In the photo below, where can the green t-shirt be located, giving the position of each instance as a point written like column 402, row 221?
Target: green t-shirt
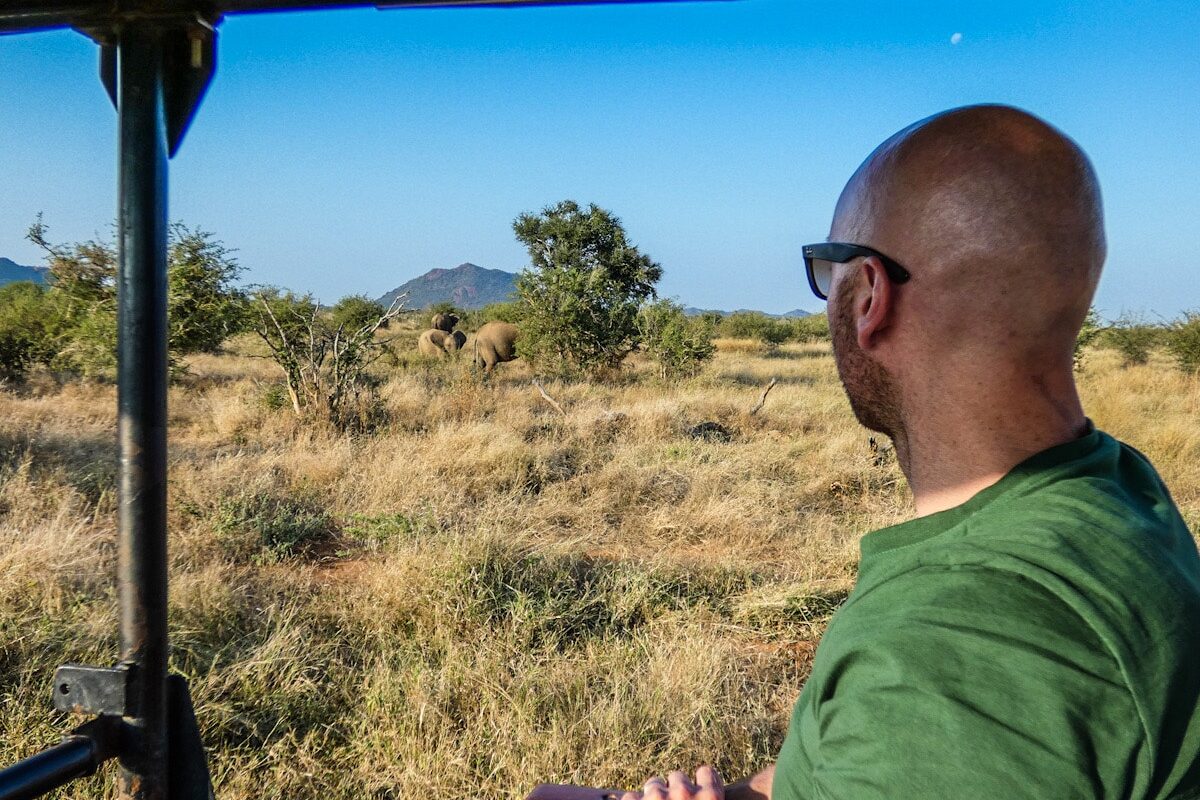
column 1042, row 640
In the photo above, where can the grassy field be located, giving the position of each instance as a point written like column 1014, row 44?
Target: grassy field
column 484, row 594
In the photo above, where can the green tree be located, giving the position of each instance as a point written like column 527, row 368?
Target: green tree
column 203, row 306
column 680, row 345
column 83, row 293
column 445, row 307
column 1184, row 341
column 501, row 312
column 28, row 328
column 84, row 274
column 356, row 310
column 286, row 322
column 582, row 290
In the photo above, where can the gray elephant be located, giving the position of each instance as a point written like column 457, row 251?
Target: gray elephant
column 494, row 343
column 444, row 322
column 437, row 344
column 454, row 342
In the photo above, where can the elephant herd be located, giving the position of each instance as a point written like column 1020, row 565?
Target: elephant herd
column 492, row 344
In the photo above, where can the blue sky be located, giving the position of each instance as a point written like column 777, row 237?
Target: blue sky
column 344, row 152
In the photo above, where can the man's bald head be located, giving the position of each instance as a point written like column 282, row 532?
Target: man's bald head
column 998, row 217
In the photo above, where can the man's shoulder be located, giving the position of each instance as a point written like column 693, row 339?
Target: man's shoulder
column 1057, row 561
column 968, row 670
column 965, row 595
column 1105, row 537
column 1113, row 548
column 1115, row 493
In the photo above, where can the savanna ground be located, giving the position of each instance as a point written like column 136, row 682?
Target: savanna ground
column 482, row 594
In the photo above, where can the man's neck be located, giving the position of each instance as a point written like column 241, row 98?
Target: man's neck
column 951, row 450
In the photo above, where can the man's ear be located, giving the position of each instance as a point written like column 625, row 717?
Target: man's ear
column 873, row 305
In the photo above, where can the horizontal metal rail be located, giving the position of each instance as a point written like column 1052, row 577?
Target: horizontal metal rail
column 79, row 753
column 49, row 769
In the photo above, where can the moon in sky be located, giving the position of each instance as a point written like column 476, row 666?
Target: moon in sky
column 956, row 38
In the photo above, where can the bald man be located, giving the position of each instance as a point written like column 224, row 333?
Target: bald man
column 1035, row 631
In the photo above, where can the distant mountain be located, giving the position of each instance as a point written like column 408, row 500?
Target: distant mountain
column 466, row 286
column 11, row 271
column 471, row 286
column 795, row 313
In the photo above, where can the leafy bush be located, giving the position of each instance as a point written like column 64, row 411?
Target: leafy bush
column 268, row 528
column 356, row 311
column 89, row 346
column 1088, row 334
column 28, row 328
column 377, row 531
column 274, row 396
column 444, row 307
column 83, row 290
column 502, row 312
column 203, row 306
column 1183, row 341
column 813, row 328
column 582, row 290
column 680, row 345
column 756, row 325
column 324, row 365
column 1133, row 338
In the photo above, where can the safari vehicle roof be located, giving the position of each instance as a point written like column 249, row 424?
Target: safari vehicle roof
column 93, row 15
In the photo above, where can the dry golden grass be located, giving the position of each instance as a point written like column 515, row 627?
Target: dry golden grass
column 485, row 593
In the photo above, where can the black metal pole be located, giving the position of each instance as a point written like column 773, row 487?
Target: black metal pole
column 48, row 770
column 142, row 403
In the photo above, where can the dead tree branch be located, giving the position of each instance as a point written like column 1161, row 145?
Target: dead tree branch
column 548, row 398
column 325, row 365
column 762, row 401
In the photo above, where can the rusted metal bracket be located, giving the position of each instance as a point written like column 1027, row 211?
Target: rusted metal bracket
column 103, row 691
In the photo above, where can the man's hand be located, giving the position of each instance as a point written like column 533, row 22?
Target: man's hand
column 708, row 786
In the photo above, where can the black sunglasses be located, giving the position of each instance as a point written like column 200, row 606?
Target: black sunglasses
column 820, row 258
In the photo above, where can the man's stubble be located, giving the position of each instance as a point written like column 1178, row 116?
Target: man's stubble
column 872, row 391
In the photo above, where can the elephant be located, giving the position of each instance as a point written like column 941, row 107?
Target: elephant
column 444, row 322
column 454, row 342
column 493, row 344
column 438, row 344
